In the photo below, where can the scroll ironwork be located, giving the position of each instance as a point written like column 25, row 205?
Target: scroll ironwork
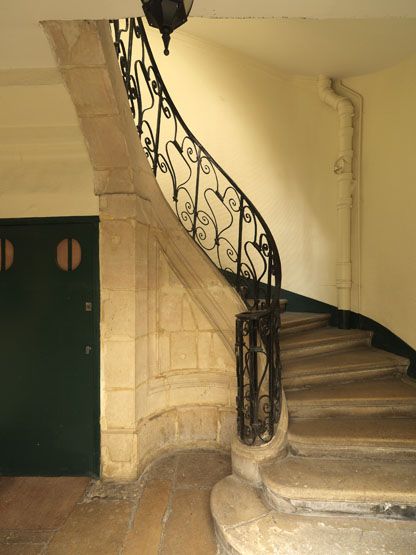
column 220, row 219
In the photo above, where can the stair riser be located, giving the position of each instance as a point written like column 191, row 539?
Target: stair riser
column 289, row 329
column 394, row 509
column 334, row 376
column 322, row 347
column 389, row 410
column 403, row 453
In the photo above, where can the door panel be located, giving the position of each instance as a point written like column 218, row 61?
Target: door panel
column 49, row 394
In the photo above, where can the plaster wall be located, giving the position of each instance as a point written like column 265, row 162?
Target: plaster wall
column 275, row 138
column 388, row 197
column 279, row 142
column 44, row 165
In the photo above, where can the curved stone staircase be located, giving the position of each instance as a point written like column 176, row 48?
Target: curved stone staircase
column 348, row 482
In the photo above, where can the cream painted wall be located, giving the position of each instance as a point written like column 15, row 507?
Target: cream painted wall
column 44, row 166
column 276, row 139
column 388, row 198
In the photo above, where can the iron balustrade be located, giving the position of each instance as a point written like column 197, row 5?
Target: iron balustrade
column 221, row 220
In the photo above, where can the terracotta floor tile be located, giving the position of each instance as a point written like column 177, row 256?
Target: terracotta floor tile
column 190, row 530
column 144, row 537
column 35, row 503
column 96, row 528
column 202, row 469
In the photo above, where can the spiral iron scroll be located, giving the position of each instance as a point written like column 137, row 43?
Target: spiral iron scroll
column 209, row 205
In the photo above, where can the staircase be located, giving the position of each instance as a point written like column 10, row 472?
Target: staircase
column 345, row 483
column 348, row 482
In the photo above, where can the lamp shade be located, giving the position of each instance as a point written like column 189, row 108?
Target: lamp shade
column 167, row 15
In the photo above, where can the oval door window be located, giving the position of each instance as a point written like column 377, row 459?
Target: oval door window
column 6, row 254
column 68, row 255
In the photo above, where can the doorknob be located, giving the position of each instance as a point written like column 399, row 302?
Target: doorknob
column 88, row 349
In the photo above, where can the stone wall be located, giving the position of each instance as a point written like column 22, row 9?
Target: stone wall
column 167, row 314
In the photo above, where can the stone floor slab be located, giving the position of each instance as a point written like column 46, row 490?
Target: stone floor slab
column 96, row 528
column 35, row 503
column 203, row 469
column 145, row 534
column 189, row 530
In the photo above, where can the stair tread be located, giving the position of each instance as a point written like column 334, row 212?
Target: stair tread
column 354, row 431
column 392, row 390
column 290, row 319
column 360, row 356
column 246, row 526
column 347, row 480
column 321, row 335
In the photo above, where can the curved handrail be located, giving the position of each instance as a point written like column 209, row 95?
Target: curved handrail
column 217, row 214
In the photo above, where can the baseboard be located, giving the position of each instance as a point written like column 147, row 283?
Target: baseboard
column 383, row 338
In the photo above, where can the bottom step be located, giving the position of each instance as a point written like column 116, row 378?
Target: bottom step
column 365, row 487
column 244, row 525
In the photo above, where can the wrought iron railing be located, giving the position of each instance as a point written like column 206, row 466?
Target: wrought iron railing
column 221, row 220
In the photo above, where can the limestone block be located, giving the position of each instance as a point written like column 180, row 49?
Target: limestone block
column 117, row 315
column 118, row 368
column 120, row 408
column 115, row 181
column 144, row 211
column 211, row 394
column 163, row 353
column 156, row 433
column 142, row 359
column 91, row 90
column 174, row 280
column 117, row 254
column 212, row 352
column 197, row 423
column 144, row 312
column 157, row 397
column 142, row 263
column 106, row 142
column 192, row 315
column 170, row 310
column 163, row 270
column 119, row 471
column 141, row 401
column 115, row 206
column 227, row 427
column 183, row 350
column 153, row 358
column 76, row 43
column 120, row 447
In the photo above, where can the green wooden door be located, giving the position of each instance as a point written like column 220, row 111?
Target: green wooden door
column 49, row 348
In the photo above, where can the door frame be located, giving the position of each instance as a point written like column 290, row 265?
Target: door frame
column 94, row 221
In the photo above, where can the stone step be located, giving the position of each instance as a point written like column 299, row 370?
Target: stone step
column 293, row 322
column 376, row 488
column 358, row 363
column 246, row 526
column 368, row 437
column 322, row 340
column 388, row 397
column 282, row 303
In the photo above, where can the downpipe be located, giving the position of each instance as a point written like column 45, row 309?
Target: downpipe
column 344, row 172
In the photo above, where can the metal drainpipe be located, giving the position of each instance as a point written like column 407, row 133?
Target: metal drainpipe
column 343, row 170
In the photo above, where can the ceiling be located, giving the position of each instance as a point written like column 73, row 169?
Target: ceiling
column 336, row 47
column 23, row 44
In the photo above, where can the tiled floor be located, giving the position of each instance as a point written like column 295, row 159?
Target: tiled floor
column 164, row 513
